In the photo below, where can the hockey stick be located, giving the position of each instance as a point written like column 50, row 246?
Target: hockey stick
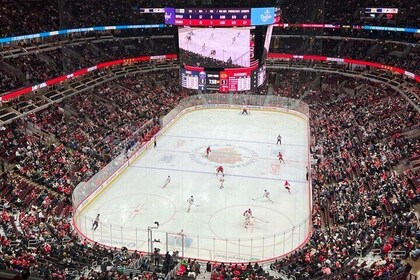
column 257, row 197
column 196, row 205
column 260, row 220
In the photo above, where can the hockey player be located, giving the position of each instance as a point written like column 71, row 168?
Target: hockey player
column 168, row 180
column 219, row 169
column 203, row 47
column 208, row 150
column 287, row 186
column 247, row 211
column 307, row 173
column 233, row 40
column 248, row 217
column 244, row 111
column 190, row 202
column 267, row 195
column 280, row 156
column 222, row 180
column 278, row 140
column 95, row 223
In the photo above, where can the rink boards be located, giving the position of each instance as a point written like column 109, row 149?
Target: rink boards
column 133, row 198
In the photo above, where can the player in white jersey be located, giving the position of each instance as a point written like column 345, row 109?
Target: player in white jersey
column 248, row 217
column 278, row 140
column 190, row 202
column 267, row 195
column 168, row 180
column 222, row 180
column 203, row 47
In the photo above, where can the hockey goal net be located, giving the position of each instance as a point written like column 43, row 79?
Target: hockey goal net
column 178, row 240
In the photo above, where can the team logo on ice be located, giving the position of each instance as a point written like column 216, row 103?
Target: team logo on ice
column 234, row 156
column 266, row 16
column 227, row 155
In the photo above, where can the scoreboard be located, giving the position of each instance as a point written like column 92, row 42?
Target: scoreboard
column 189, row 79
column 215, row 54
column 221, row 16
column 216, row 14
column 228, row 80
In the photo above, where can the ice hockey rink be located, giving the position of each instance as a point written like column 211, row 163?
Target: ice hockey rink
column 245, row 145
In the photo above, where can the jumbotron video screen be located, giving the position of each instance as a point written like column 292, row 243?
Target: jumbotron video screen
column 216, row 47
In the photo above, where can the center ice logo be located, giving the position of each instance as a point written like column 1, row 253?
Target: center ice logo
column 266, row 16
column 226, row 155
column 230, row 155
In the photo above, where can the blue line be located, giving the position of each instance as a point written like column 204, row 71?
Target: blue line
column 213, row 173
column 232, row 140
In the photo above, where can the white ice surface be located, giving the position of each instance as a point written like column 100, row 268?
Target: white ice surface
column 246, row 147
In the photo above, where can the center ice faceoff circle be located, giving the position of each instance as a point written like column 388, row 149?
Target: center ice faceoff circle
column 230, row 155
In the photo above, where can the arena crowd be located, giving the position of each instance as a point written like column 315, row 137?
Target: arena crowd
column 365, row 193
column 363, row 200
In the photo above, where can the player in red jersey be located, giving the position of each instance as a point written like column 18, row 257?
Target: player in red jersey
column 287, row 186
column 208, row 150
column 280, row 156
column 219, row 169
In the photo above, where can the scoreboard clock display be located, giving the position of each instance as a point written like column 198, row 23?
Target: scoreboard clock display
column 189, row 79
column 215, row 14
column 228, row 80
column 220, row 16
column 213, row 17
